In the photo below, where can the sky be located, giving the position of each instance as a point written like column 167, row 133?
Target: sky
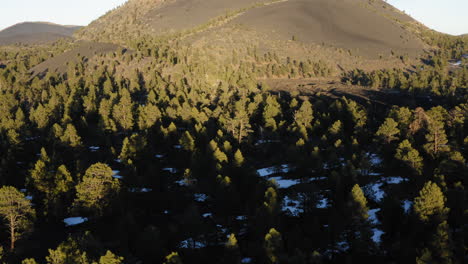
column 65, row 12
column 448, row 16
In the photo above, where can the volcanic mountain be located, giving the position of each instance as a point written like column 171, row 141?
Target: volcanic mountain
column 369, row 28
column 35, row 33
column 345, row 34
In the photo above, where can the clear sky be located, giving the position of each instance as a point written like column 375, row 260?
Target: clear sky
column 65, row 12
column 449, row 16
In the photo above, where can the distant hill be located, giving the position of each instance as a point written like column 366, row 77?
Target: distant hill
column 35, row 33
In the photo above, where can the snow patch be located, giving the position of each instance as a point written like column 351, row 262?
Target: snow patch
column 170, row 170
column 159, row 156
column 373, row 216
column 207, row 215
column 284, row 183
column 323, row 203
column 241, row 218
column 291, row 206
column 265, row 172
column 374, row 159
column 407, row 204
column 191, row 243
column 246, row 260
column 200, row 197
column 94, row 148
column 262, row 141
column 115, row 174
column 72, row 221
column 374, row 190
column 377, row 236
column 140, row 190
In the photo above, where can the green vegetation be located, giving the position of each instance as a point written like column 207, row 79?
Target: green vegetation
column 165, row 153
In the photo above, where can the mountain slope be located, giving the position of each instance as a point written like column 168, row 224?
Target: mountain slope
column 35, row 33
column 342, row 23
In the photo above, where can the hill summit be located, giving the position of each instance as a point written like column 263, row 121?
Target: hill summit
column 35, row 32
column 368, row 28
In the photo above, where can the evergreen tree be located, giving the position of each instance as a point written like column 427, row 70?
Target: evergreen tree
column 16, row 211
column 410, row 156
column 304, row 115
column 110, row 258
column 187, row 142
column 70, row 136
column 238, row 158
column 97, row 188
column 430, row 202
column 122, row 112
column 388, row 130
column 359, row 204
column 173, row 258
column 436, row 138
column 273, row 245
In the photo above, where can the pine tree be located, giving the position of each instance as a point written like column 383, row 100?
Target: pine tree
column 304, row 115
column 110, row 258
column 187, row 142
column 270, row 112
column 173, row 258
column 122, row 112
column 441, row 244
column 238, row 158
column 273, row 245
column 430, row 202
column 436, row 138
column 359, row 204
column 17, row 212
column 271, row 200
column 70, row 136
column 388, row 130
column 97, row 188
column 148, row 115
column 410, row 156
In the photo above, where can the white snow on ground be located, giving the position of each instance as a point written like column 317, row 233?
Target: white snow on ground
column 323, row 203
column 170, row 170
column 407, row 204
column 241, row 218
column 260, row 142
column 373, row 216
column 115, row 174
column 29, row 197
column 182, row 182
column 246, row 260
column 272, row 170
column 159, row 156
column 140, row 190
column 118, row 160
column 94, row 148
column 374, row 159
column 343, row 245
column 374, row 190
column 177, row 146
column 200, row 197
column 285, row 183
column 377, row 236
column 317, row 179
column 191, row 243
column 72, row 221
column 291, row 206
column 207, row 215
